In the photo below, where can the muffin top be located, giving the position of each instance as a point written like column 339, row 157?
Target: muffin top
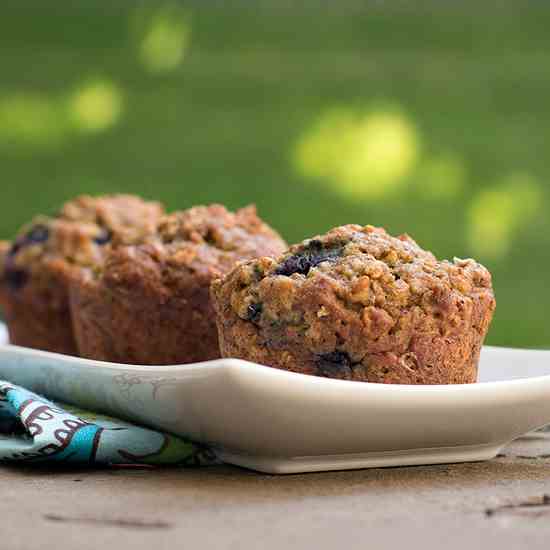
column 355, row 281
column 201, row 243
column 77, row 236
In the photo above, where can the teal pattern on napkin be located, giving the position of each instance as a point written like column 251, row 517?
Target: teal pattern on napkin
column 33, row 429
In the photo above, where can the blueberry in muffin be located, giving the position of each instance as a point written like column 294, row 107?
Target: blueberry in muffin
column 35, row 269
column 358, row 304
column 149, row 303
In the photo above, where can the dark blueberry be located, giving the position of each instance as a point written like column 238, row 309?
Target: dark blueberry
column 16, row 246
column 104, row 238
column 16, row 278
column 254, row 312
column 338, row 357
column 312, row 255
column 38, row 234
column 336, row 364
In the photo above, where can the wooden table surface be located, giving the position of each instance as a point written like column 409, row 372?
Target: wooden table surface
column 502, row 503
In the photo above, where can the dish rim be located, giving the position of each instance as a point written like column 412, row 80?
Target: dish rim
column 236, row 365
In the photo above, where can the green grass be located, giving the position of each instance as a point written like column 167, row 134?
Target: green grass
column 222, row 126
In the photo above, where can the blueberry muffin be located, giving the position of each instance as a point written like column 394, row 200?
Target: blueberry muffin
column 149, row 303
column 358, row 304
column 36, row 268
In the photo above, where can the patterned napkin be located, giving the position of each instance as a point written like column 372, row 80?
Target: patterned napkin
column 34, row 430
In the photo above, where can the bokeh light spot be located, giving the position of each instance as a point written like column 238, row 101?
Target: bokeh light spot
column 497, row 214
column 96, row 106
column 32, row 121
column 165, row 39
column 359, row 153
column 441, row 178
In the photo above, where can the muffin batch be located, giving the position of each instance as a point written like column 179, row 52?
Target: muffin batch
column 114, row 278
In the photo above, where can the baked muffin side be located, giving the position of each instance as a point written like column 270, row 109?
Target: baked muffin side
column 50, row 251
column 150, row 303
column 358, row 304
column 4, row 250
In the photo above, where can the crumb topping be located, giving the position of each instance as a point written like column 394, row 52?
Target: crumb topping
column 203, row 241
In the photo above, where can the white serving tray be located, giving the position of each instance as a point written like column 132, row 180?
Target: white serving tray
column 280, row 422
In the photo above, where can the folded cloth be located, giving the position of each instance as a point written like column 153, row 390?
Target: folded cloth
column 34, row 429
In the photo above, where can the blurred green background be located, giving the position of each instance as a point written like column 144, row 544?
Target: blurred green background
column 432, row 120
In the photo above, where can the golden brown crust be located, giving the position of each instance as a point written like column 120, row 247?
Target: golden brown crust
column 150, row 303
column 358, row 304
column 50, row 251
column 4, row 249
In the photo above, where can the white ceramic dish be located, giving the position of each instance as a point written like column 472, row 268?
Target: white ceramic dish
column 279, row 422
